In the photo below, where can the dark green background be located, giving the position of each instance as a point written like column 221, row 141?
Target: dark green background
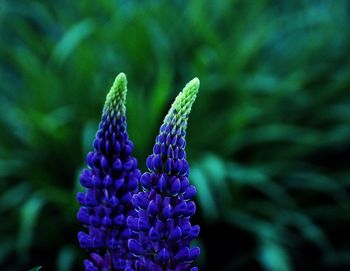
column 268, row 139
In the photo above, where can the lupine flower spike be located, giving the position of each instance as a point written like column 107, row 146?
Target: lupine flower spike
column 165, row 205
column 110, row 179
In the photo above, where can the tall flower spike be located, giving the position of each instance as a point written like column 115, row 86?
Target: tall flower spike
column 110, row 179
column 165, row 205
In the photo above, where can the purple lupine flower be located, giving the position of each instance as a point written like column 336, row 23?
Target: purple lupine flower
column 110, row 179
column 165, row 205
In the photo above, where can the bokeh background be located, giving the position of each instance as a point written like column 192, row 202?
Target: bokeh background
column 268, row 137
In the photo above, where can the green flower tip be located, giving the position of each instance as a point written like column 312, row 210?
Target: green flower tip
column 116, row 97
column 181, row 107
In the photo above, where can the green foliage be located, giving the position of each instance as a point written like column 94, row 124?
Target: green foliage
column 268, row 141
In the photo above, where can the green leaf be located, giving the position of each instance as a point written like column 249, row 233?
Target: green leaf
column 205, row 196
column 29, row 215
column 65, row 259
column 72, row 38
column 274, row 257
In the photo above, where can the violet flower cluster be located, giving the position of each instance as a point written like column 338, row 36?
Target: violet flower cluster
column 165, row 205
column 134, row 222
column 110, row 180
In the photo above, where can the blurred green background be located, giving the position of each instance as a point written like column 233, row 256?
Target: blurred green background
column 268, row 137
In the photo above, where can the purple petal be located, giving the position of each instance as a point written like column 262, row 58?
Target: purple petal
column 175, row 187
column 191, row 209
column 145, row 180
column 104, row 163
column 194, row 253
column 163, row 256
column 85, row 179
column 149, row 162
column 162, row 183
column 81, row 198
column 190, row 192
column 167, row 211
column 117, row 165
column 84, row 240
column 126, row 198
column 129, row 165
column 83, row 216
column 175, row 234
column 89, row 266
column 195, row 231
column 107, row 222
column 107, row 181
column 132, row 222
column 152, row 208
column 154, row 234
column 180, row 209
column 118, row 183
column 182, row 255
column 119, row 220
column 135, row 247
column 96, row 181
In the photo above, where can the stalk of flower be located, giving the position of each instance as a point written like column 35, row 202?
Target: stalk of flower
column 110, row 179
column 165, row 205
